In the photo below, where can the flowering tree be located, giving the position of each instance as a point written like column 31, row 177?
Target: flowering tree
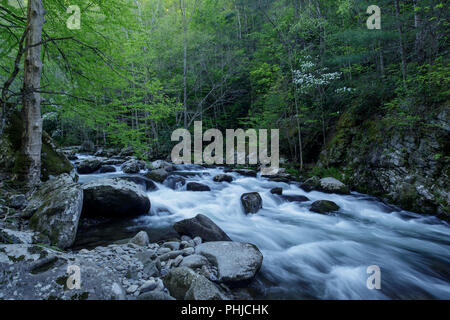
column 311, row 79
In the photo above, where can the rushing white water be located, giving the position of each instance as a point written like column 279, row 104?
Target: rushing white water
column 313, row 256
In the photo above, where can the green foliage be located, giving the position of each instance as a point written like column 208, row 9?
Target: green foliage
column 119, row 80
column 323, row 172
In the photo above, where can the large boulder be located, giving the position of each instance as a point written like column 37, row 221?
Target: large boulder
column 251, row 202
column 34, row 272
column 332, row 185
column 158, row 175
column 202, row 227
column 114, row 198
column 195, row 186
column 88, row 166
column 235, row 261
column 55, row 210
column 324, row 206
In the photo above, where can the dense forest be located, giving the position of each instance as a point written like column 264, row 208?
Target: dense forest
column 127, row 73
column 91, row 92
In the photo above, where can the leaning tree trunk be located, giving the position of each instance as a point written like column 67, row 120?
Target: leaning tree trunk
column 31, row 101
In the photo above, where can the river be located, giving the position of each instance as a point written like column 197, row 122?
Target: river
column 306, row 255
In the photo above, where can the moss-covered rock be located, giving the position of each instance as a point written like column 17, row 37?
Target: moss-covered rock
column 12, row 161
column 324, row 206
column 55, row 210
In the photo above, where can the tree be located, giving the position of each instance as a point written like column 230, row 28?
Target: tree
column 31, row 98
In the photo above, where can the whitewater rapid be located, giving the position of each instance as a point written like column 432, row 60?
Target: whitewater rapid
column 309, row 255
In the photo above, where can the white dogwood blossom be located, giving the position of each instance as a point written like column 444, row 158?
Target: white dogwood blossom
column 310, row 76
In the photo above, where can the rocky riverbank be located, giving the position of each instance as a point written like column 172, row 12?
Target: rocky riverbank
column 181, row 269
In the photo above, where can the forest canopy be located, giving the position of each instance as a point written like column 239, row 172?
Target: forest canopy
column 129, row 72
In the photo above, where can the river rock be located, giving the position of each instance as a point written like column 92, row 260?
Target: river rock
column 141, row 239
column 155, row 295
column 251, row 202
column 201, row 226
column 278, row 191
column 56, row 209
column 113, row 162
column 107, row 169
column 172, row 245
column 203, row 289
column 223, row 178
column 88, row 166
column 161, row 164
column 195, row 186
column 132, row 166
column 32, row 272
column 158, row 175
column 246, row 172
column 178, row 281
column 324, row 206
column 114, row 198
column 295, row 198
column 310, row 184
column 332, row 185
column 175, row 182
column 235, row 261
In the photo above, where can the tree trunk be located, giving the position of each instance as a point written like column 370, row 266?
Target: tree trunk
column 400, row 36
column 184, row 64
column 31, row 101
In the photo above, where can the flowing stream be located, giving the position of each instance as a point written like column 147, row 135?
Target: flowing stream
column 306, row 255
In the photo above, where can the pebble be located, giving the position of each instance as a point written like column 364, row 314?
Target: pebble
column 148, row 286
column 188, row 251
column 197, row 241
column 132, row 288
column 176, row 262
column 173, row 245
column 162, row 251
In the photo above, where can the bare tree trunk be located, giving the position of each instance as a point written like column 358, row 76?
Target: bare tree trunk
column 418, row 42
column 31, row 101
column 184, row 63
column 380, row 46
column 400, row 35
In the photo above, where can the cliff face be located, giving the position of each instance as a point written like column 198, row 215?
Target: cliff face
column 406, row 166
